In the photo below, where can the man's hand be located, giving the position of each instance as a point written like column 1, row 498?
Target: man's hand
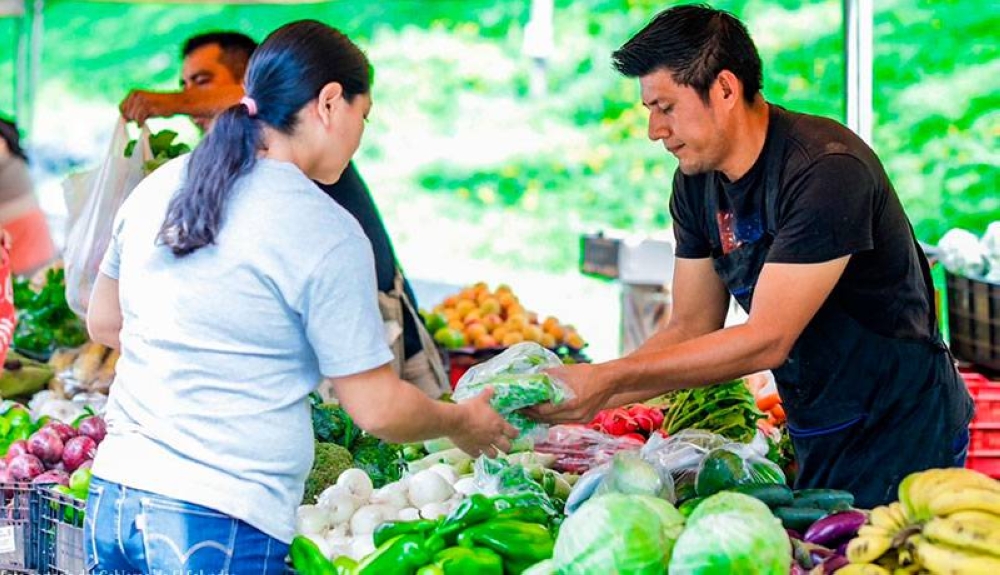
column 591, row 394
column 140, row 105
column 483, row 430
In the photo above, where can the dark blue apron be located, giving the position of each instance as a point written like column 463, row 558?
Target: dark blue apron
column 864, row 410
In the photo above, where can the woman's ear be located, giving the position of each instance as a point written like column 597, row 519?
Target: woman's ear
column 331, row 97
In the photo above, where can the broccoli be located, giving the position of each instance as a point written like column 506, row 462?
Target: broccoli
column 331, row 424
column 382, row 461
column 329, row 462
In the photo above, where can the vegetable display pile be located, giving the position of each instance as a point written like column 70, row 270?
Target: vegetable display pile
column 728, row 409
column 382, row 461
column 44, row 320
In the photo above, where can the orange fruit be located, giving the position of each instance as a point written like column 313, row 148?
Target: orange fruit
column 516, row 321
column 450, row 301
column 532, row 333
column 499, row 332
column 515, row 309
column 555, row 330
column 486, row 341
column 548, row 341
column 512, row 338
column 456, row 325
column 506, row 300
column 550, row 321
column 574, row 340
column 464, row 306
column 489, row 305
column 474, row 331
column 492, row 321
column 472, row 316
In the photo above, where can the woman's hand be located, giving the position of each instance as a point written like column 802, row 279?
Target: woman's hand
column 482, row 429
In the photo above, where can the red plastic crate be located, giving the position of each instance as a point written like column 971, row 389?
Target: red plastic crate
column 981, row 440
column 988, row 465
column 986, row 394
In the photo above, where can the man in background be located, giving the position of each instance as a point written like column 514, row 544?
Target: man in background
column 211, row 81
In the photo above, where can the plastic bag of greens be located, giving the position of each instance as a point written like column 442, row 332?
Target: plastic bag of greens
column 680, row 456
column 518, row 382
column 499, row 477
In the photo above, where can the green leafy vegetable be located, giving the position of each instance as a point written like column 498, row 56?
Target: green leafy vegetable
column 44, row 320
column 727, row 409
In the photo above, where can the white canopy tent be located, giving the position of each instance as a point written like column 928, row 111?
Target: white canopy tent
column 857, row 24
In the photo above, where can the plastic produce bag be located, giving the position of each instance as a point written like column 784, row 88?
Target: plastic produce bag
column 962, row 253
column 518, row 382
column 628, row 472
column 991, row 247
column 90, row 233
column 680, row 456
column 497, row 476
column 733, row 465
column 578, row 448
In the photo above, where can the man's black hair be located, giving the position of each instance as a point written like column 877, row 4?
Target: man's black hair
column 11, row 135
column 236, row 49
column 694, row 43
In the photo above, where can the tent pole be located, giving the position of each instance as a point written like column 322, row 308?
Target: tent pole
column 858, row 55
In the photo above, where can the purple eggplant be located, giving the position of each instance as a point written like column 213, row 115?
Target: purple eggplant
column 793, row 534
column 835, row 528
column 835, row 563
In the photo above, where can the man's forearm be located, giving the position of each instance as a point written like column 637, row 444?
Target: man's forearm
column 717, row 356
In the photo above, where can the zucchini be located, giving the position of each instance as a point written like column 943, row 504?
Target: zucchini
column 829, row 500
column 773, row 495
column 799, row 518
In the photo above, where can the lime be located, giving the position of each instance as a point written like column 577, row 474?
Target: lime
column 79, row 482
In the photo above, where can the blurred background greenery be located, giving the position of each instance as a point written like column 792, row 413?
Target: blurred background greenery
column 479, row 179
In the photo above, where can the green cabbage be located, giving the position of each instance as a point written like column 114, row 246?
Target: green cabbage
column 618, row 533
column 732, row 533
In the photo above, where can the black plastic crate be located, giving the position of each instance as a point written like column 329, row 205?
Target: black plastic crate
column 59, row 532
column 16, row 533
column 974, row 320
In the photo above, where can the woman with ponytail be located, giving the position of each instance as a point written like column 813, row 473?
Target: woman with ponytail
column 232, row 287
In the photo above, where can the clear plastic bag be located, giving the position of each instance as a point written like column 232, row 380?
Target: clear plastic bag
column 991, row 247
column 578, row 448
column 629, row 472
column 90, row 233
column 499, row 477
column 518, row 381
column 733, row 465
column 962, row 253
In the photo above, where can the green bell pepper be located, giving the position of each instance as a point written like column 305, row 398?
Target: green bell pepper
column 401, row 555
column 519, row 542
column 431, row 569
column 308, row 559
column 526, row 514
column 473, row 510
column 469, row 561
column 344, row 565
column 390, row 529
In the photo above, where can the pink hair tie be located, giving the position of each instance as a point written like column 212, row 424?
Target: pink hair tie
column 251, row 105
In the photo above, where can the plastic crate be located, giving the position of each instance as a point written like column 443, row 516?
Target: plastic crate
column 974, row 320
column 16, row 533
column 59, row 532
column 985, row 464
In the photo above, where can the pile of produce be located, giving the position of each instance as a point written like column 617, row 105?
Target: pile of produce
column 727, row 409
column 22, row 376
column 340, row 445
column 637, row 420
column 44, row 320
column 946, row 521
column 482, row 535
column 577, row 448
column 483, row 319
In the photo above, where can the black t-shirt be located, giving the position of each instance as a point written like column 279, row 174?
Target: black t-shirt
column 835, row 200
column 352, row 194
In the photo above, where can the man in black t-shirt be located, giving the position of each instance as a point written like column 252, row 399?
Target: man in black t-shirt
column 211, row 81
column 793, row 216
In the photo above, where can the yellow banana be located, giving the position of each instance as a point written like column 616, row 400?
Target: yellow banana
column 898, row 514
column 976, row 516
column 876, row 531
column 957, row 479
column 968, row 499
column 964, row 535
column 863, row 569
column 905, row 488
column 945, row 560
column 882, row 518
column 866, row 549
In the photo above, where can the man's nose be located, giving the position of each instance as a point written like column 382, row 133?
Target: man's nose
column 659, row 129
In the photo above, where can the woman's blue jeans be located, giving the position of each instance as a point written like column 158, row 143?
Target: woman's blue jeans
column 133, row 531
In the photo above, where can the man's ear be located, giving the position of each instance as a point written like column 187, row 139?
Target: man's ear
column 329, row 101
column 730, row 88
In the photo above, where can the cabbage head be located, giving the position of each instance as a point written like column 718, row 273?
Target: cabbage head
column 732, row 533
column 618, row 533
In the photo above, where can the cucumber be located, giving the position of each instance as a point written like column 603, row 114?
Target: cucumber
column 799, row 518
column 829, row 500
column 773, row 495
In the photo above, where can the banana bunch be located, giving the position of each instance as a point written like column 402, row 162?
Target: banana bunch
column 947, row 521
